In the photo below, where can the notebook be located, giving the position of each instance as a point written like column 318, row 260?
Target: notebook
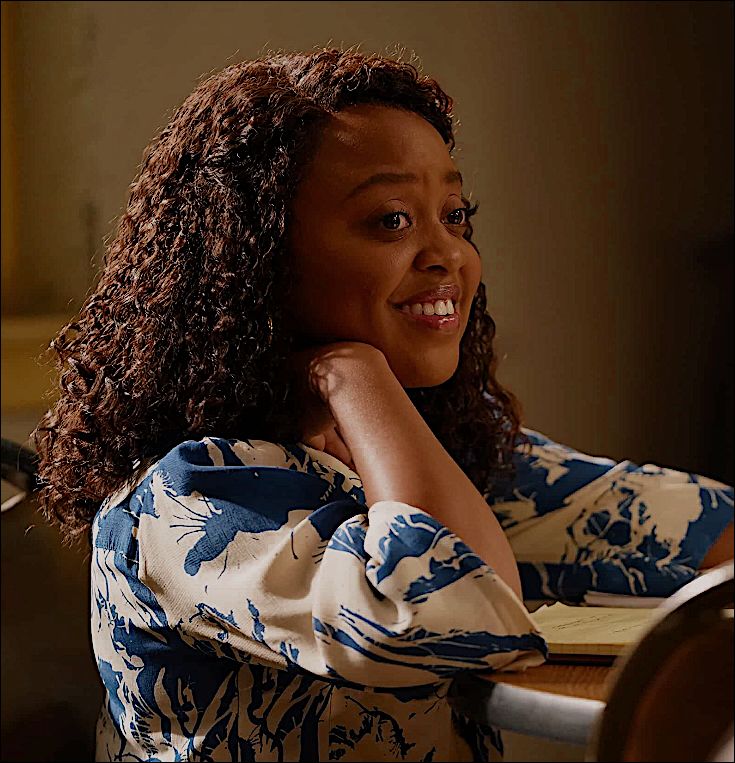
column 586, row 634
column 619, row 600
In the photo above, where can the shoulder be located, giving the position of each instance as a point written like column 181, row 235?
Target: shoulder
column 229, row 465
column 226, row 473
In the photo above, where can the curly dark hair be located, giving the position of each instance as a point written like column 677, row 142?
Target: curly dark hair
column 185, row 333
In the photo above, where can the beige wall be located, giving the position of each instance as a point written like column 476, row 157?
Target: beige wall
column 596, row 136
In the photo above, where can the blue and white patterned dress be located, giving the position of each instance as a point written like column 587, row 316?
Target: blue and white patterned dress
column 246, row 604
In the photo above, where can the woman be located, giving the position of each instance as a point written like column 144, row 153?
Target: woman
column 280, row 418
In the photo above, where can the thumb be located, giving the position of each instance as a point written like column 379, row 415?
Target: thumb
column 318, row 442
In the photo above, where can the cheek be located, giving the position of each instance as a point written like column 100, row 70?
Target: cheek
column 339, row 284
column 348, row 266
column 474, row 268
column 316, row 265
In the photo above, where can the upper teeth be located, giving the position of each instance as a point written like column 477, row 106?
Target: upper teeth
column 440, row 307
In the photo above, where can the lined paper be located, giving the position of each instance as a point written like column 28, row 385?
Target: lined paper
column 606, row 631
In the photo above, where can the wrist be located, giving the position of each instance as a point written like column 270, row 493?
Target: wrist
column 336, row 371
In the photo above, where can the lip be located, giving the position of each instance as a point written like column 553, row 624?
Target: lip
column 444, row 291
column 445, row 324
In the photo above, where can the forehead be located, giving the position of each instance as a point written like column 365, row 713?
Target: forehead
column 365, row 139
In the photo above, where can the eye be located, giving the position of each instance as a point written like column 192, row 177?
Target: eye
column 458, row 216
column 394, row 219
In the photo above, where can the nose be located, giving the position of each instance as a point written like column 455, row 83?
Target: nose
column 440, row 250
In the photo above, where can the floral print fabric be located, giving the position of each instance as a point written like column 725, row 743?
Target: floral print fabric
column 247, row 605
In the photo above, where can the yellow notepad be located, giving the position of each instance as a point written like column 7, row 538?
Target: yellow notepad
column 576, row 633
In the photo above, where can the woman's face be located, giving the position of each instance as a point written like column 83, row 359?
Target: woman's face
column 377, row 243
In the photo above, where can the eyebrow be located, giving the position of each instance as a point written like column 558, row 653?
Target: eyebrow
column 394, row 178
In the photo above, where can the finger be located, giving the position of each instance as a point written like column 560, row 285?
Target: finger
column 318, row 442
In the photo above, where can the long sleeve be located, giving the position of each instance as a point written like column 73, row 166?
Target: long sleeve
column 578, row 523
column 261, row 552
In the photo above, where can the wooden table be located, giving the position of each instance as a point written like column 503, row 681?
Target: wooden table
column 583, row 681
column 558, row 702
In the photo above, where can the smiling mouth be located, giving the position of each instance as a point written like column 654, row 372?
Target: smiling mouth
column 446, row 324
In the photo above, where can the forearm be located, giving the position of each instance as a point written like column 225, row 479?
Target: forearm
column 721, row 551
column 399, row 459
